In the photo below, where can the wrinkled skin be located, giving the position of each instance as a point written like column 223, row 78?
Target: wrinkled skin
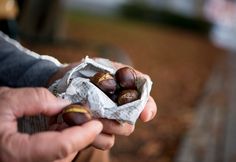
column 45, row 146
column 112, row 128
column 54, row 145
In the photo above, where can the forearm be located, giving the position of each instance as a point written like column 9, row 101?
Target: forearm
column 20, row 67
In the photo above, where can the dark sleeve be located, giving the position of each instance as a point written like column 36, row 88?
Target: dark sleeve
column 20, row 67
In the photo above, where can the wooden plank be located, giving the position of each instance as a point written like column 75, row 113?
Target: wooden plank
column 204, row 141
column 230, row 142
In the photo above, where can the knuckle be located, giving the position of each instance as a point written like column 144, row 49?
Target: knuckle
column 42, row 94
column 4, row 89
column 129, row 131
column 108, row 145
column 65, row 150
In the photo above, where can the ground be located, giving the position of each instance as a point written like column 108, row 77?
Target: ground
column 178, row 61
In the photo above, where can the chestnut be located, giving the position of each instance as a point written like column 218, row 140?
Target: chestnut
column 126, row 77
column 105, row 81
column 76, row 114
column 114, row 97
column 127, row 96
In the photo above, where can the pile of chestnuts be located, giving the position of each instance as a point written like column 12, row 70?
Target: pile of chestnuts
column 121, row 88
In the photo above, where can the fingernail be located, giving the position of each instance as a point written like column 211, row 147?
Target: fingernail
column 95, row 125
column 64, row 102
column 150, row 116
column 98, row 125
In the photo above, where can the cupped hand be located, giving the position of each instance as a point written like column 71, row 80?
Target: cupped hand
column 45, row 146
column 106, row 139
column 111, row 128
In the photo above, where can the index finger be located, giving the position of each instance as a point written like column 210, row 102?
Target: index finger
column 149, row 110
column 50, row 146
column 38, row 101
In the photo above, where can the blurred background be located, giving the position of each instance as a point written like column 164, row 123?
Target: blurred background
column 186, row 46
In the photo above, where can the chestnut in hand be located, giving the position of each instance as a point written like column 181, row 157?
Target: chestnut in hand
column 76, row 114
column 114, row 97
column 105, row 81
column 127, row 96
column 121, row 88
column 126, row 77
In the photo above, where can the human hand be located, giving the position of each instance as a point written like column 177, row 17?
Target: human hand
column 106, row 139
column 45, row 146
column 111, row 127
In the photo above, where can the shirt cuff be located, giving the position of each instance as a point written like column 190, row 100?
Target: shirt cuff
column 38, row 74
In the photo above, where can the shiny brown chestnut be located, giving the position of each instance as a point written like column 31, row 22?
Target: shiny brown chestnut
column 126, row 77
column 105, row 81
column 127, row 96
column 76, row 114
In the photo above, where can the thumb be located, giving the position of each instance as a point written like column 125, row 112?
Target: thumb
column 32, row 101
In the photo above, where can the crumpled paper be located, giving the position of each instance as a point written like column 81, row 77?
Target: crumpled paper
column 76, row 87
